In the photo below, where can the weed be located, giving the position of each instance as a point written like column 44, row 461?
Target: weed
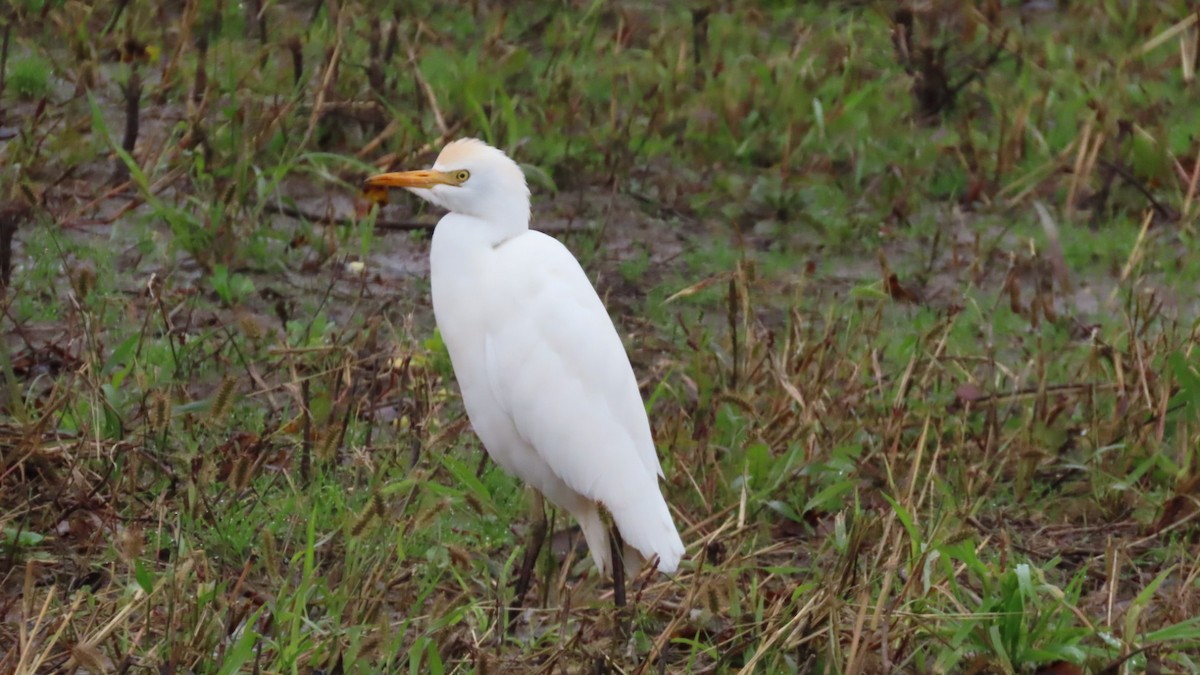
column 30, row 76
column 910, row 296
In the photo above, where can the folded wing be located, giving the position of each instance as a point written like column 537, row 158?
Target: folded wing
column 555, row 359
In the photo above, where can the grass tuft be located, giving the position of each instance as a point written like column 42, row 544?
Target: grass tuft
column 910, row 292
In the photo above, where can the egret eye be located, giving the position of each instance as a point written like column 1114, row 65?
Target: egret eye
column 462, row 175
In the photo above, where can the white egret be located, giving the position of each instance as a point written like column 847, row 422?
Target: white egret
column 544, row 377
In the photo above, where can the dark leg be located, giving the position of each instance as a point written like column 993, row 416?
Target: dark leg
column 618, row 563
column 537, row 537
column 617, row 546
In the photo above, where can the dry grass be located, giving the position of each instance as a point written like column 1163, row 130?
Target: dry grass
column 920, row 361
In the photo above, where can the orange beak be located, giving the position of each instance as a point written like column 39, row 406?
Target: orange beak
column 410, row 179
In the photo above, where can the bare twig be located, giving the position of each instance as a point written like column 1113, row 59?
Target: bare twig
column 4, row 62
column 1058, row 261
column 429, row 94
column 1164, row 211
column 381, row 224
column 112, row 22
column 326, row 82
column 11, row 217
column 133, row 97
column 1191, row 189
column 293, row 212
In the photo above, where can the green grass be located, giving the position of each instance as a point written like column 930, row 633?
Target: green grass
column 224, row 448
column 29, row 77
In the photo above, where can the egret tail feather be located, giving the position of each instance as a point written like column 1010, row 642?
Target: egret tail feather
column 647, row 526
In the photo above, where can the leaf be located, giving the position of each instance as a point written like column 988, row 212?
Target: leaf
column 243, row 649
column 1148, row 160
column 871, row 291
column 539, row 176
column 906, row 520
column 829, row 496
column 1059, row 668
column 964, row 552
column 1187, row 630
column 21, row 537
column 99, row 126
column 1175, row 510
column 219, row 279
column 123, row 353
column 242, row 286
column 819, row 116
column 1024, row 580
column 1142, row 600
column 465, row 475
column 320, row 163
column 1189, row 382
column 143, row 576
column 310, row 546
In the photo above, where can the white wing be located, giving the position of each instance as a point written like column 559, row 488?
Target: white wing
column 556, row 362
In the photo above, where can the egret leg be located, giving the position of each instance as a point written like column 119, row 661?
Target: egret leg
column 537, row 538
column 618, row 567
column 617, row 546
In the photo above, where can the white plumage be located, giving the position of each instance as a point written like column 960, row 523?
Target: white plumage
column 544, row 377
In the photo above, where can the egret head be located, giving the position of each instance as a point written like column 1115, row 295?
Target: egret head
column 472, row 178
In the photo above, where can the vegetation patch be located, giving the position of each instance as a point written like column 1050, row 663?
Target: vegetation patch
column 911, row 294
